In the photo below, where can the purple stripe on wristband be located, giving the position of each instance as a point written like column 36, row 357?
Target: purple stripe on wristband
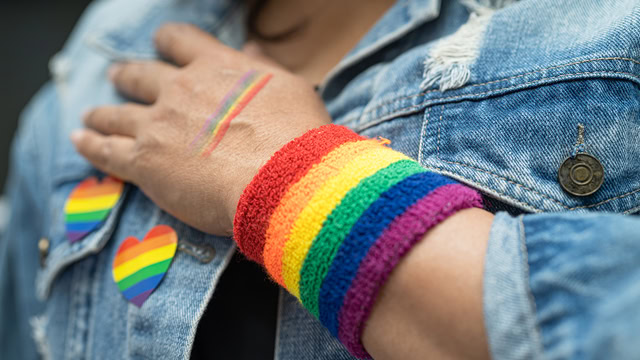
column 401, row 235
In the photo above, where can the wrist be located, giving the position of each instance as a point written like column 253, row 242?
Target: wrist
column 411, row 321
column 272, row 143
column 332, row 213
column 287, row 165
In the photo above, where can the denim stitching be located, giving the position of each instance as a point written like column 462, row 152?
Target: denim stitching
column 632, row 210
column 102, row 262
column 487, row 171
column 607, row 200
column 508, row 88
column 79, row 309
column 38, row 325
column 480, row 186
column 556, row 67
column 509, row 181
column 224, row 262
column 439, row 127
column 503, row 79
column 65, row 253
column 543, row 195
column 527, row 274
column 398, row 112
column 521, row 185
column 424, row 128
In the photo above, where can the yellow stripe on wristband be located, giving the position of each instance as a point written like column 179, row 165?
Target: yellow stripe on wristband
column 326, row 198
column 332, row 230
column 297, row 197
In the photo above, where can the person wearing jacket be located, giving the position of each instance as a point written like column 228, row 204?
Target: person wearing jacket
column 448, row 191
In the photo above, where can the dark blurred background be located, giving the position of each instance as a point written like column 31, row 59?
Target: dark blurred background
column 31, row 32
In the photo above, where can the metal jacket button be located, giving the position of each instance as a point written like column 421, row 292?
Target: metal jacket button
column 581, row 175
column 43, row 249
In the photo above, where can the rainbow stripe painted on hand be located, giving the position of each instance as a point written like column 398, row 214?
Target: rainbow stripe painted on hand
column 330, row 216
column 140, row 266
column 89, row 204
column 215, row 127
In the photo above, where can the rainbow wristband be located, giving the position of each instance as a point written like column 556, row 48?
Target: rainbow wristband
column 332, row 213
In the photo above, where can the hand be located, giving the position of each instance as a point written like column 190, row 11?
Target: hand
column 164, row 148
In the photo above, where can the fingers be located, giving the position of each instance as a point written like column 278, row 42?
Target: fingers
column 254, row 51
column 111, row 154
column 117, row 119
column 182, row 43
column 141, row 80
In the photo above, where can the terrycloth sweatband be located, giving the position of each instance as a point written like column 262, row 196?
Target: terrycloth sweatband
column 332, row 213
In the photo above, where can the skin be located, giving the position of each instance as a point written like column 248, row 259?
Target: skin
column 148, row 144
column 331, row 29
column 431, row 306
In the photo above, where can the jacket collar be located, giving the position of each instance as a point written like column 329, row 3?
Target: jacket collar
column 131, row 36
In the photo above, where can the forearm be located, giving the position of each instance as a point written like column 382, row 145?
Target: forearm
column 332, row 214
column 431, row 305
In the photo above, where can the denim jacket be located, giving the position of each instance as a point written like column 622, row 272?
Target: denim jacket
column 489, row 92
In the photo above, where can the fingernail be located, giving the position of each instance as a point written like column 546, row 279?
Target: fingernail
column 113, row 70
column 76, row 136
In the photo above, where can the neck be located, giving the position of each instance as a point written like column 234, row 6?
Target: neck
column 318, row 33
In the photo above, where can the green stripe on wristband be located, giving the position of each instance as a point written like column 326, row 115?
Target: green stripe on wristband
column 339, row 223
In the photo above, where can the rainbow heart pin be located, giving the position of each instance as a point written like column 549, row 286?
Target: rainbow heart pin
column 89, row 204
column 139, row 266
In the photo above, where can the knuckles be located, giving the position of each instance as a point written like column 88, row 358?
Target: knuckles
column 133, row 79
column 151, row 141
column 163, row 113
column 99, row 119
column 103, row 155
column 142, row 154
column 181, row 82
column 89, row 117
column 110, row 120
column 186, row 85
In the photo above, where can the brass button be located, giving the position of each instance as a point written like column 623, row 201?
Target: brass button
column 581, row 175
column 43, row 248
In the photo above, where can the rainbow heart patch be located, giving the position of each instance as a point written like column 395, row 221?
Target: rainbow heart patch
column 139, row 266
column 89, row 204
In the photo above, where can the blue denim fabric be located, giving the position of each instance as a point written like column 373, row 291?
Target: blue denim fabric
column 537, row 70
column 561, row 286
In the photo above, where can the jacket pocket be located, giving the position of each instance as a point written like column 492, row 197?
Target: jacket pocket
column 62, row 252
column 513, row 146
column 510, row 138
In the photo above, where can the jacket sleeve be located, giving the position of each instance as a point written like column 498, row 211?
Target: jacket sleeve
column 563, row 286
column 19, row 256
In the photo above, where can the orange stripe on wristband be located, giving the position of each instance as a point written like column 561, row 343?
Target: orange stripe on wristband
column 327, row 197
column 297, row 198
column 287, row 166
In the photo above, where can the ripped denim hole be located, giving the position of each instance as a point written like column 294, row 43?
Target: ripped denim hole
column 449, row 61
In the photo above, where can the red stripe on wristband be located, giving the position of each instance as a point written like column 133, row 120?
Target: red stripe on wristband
column 285, row 168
